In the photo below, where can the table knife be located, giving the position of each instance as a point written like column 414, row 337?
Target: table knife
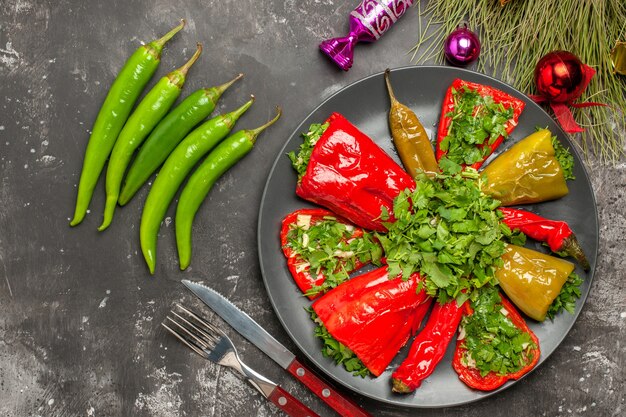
column 258, row 336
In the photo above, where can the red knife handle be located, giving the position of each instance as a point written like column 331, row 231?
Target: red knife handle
column 289, row 404
column 341, row 404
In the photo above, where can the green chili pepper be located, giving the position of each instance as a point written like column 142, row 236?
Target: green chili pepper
column 123, row 94
column 145, row 117
column 220, row 160
column 167, row 134
column 197, row 144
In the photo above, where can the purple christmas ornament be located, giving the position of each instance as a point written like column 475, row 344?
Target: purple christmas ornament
column 368, row 22
column 461, row 46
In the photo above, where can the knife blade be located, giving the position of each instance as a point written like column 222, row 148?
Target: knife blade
column 258, row 336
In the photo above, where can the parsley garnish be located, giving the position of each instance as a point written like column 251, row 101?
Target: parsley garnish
column 514, row 237
column 341, row 354
column 300, row 160
column 566, row 300
column 449, row 231
column 476, row 120
column 565, row 158
column 493, row 342
column 332, row 249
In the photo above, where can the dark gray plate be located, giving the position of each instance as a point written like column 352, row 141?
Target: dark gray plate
column 365, row 104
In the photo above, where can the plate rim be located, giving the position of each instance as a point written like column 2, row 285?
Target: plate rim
column 281, row 154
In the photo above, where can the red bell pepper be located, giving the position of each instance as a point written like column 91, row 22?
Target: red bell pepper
column 299, row 267
column 557, row 234
column 373, row 315
column 498, row 96
column 352, row 176
column 429, row 347
column 472, row 377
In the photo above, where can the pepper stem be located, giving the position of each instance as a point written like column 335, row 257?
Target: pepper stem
column 221, row 88
column 177, row 77
column 169, row 35
column 256, row 132
column 400, row 387
column 192, row 60
column 571, row 247
column 392, row 97
column 234, row 115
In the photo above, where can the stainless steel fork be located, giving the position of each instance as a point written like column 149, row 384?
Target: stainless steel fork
column 211, row 343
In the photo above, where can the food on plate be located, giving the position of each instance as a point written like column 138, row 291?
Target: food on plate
column 528, row 172
column 449, row 231
column 409, row 136
column 178, row 164
column 566, row 300
column 494, row 344
column 531, row 279
column 168, row 133
column 322, row 249
column 442, row 231
column 342, row 169
column 556, row 234
column 150, row 110
column 373, row 315
column 475, row 119
column 117, row 105
column 428, row 347
column 226, row 154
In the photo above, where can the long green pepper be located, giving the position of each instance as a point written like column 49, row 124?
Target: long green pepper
column 220, row 160
column 117, row 105
column 148, row 113
column 167, row 134
column 180, row 162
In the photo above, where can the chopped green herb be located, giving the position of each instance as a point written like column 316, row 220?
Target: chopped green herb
column 341, row 354
column 493, row 342
column 566, row 300
column 449, row 231
column 300, row 160
column 565, row 158
column 333, row 249
column 514, row 237
column 476, row 120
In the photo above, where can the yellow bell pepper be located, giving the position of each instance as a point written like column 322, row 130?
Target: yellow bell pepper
column 531, row 279
column 528, row 172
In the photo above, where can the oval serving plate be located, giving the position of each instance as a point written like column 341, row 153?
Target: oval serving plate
column 365, row 103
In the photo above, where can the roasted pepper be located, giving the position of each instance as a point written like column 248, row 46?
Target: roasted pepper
column 494, row 345
column 428, row 347
column 531, row 279
column 528, row 172
column 409, row 136
column 475, row 119
column 318, row 239
column 557, row 234
column 373, row 315
column 351, row 175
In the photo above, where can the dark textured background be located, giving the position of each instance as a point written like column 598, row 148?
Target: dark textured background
column 79, row 313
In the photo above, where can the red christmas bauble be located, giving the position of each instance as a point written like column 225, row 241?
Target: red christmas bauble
column 560, row 77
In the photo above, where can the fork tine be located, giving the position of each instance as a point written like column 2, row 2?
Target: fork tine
column 207, row 338
column 185, row 341
column 203, row 322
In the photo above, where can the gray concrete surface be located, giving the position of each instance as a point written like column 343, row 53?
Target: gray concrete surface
column 79, row 313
